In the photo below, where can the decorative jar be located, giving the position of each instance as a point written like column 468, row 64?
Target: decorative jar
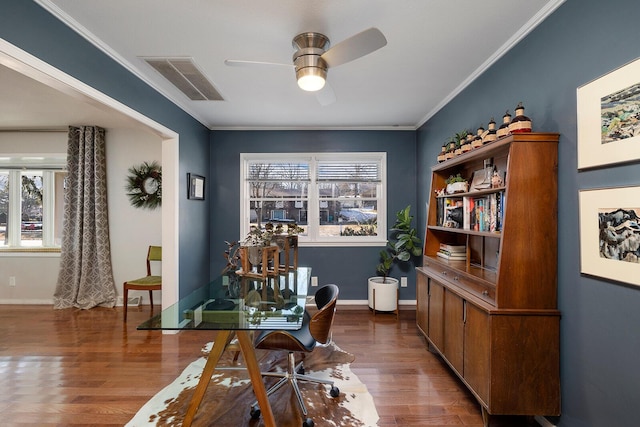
column 520, row 123
column 491, row 135
column 503, row 130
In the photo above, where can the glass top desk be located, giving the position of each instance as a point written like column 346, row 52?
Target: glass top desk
column 237, row 306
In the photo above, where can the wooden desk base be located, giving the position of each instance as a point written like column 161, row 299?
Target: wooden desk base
column 248, row 352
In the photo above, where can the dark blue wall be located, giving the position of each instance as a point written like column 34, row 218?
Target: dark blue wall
column 347, row 267
column 581, row 41
column 32, row 29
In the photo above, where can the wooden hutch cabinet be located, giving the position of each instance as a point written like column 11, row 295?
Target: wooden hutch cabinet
column 492, row 312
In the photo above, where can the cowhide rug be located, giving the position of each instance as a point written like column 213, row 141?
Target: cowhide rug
column 229, row 396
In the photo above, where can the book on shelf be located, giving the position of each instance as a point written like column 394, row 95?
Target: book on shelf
column 453, row 213
column 452, row 257
column 439, row 212
column 453, row 248
column 484, row 213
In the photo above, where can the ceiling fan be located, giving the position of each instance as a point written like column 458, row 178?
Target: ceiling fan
column 313, row 57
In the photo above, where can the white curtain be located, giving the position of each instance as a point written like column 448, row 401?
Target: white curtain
column 85, row 279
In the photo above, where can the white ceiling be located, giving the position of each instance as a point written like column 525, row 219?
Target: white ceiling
column 435, row 48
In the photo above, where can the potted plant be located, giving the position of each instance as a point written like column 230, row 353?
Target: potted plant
column 271, row 235
column 402, row 246
column 456, row 184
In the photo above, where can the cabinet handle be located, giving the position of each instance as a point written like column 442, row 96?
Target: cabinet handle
column 464, row 311
column 485, row 292
column 444, row 273
column 456, row 278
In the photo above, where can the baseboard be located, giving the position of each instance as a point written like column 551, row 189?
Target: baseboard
column 26, row 301
column 135, row 301
column 411, row 304
column 543, row 421
column 404, row 304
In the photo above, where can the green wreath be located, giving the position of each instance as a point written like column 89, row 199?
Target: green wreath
column 144, row 185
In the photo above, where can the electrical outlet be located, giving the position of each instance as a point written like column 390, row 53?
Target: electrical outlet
column 314, row 280
column 12, row 281
column 403, row 282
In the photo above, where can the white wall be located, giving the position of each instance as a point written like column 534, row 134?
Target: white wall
column 131, row 230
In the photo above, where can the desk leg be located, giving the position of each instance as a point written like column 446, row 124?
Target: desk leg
column 212, row 361
column 248, row 352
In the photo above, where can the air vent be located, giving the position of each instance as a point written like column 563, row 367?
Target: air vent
column 185, row 75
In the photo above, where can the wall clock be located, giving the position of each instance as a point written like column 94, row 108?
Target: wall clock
column 144, row 185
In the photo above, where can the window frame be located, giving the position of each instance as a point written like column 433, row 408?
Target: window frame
column 49, row 207
column 312, row 237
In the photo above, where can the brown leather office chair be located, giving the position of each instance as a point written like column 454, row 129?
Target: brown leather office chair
column 315, row 329
column 147, row 283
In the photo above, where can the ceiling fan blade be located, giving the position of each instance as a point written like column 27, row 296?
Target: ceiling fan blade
column 241, row 63
column 326, row 95
column 355, row 47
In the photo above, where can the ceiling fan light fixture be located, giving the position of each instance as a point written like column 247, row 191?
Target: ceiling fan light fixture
column 311, row 79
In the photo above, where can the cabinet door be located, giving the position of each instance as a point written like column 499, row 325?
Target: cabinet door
column 454, row 330
column 477, row 338
column 422, row 303
column 435, row 317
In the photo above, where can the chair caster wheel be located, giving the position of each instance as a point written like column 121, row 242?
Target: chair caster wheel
column 335, row 391
column 307, row 423
column 255, row 413
column 300, row 370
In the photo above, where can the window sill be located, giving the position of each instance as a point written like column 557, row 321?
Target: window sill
column 29, row 252
column 303, row 243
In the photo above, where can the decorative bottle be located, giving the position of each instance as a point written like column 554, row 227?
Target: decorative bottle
column 451, row 146
column 503, row 130
column 458, row 149
column 466, row 143
column 441, row 156
column 520, row 123
column 491, row 135
column 477, row 141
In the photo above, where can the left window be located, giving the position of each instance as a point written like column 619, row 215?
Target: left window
column 31, row 203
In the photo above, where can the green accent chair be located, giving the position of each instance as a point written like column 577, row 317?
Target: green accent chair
column 148, row 283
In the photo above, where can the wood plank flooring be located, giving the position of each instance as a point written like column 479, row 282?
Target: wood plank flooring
column 85, row 367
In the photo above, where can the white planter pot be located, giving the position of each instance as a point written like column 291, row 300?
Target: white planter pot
column 457, row 187
column 386, row 294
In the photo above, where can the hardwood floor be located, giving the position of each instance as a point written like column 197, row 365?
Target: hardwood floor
column 85, row 367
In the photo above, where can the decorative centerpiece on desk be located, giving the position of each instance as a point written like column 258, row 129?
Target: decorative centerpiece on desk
column 403, row 245
column 273, row 235
column 456, row 184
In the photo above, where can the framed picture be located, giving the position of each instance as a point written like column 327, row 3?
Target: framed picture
column 610, row 233
column 609, row 118
column 195, row 190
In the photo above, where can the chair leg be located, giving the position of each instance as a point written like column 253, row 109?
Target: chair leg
column 151, row 300
column 292, row 377
column 125, row 300
column 294, row 383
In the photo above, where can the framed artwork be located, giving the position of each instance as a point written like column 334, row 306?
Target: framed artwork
column 609, row 118
column 195, row 189
column 610, row 233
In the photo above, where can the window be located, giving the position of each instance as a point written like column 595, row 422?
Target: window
column 337, row 198
column 30, row 206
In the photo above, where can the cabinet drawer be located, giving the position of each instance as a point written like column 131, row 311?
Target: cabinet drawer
column 450, row 275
